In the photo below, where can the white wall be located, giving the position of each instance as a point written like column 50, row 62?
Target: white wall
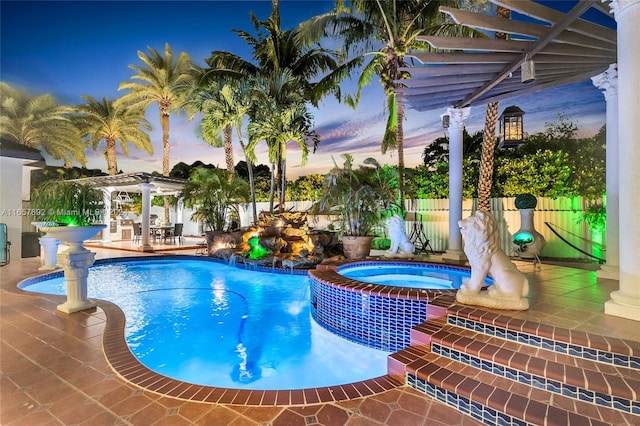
column 11, row 203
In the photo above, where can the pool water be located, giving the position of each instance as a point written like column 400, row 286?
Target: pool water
column 422, row 276
column 212, row 324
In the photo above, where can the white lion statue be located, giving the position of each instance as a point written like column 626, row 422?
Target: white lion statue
column 482, row 247
column 400, row 244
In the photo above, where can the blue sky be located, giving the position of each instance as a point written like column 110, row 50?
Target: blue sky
column 73, row 48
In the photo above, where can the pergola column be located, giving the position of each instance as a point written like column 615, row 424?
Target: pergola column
column 457, row 116
column 625, row 302
column 106, row 214
column 608, row 83
column 146, row 207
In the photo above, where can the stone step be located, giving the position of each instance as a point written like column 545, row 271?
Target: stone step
column 608, row 350
column 615, row 387
column 493, row 399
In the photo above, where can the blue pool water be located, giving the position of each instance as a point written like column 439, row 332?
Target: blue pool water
column 213, row 324
column 422, row 276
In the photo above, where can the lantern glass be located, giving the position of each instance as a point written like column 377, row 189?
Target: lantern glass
column 511, row 127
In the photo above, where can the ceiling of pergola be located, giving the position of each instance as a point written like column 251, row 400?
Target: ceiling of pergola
column 474, row 71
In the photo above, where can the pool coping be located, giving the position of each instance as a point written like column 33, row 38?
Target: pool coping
column 126, row 366
column 328, row 274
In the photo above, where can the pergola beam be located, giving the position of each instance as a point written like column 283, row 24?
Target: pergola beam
column 571, row 16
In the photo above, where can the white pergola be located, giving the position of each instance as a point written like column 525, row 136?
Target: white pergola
column 146, row 183
column 564, row 48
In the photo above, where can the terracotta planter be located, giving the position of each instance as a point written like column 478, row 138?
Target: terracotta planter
column 356, row 247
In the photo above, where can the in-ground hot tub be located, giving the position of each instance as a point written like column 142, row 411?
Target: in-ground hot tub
column 381, row 312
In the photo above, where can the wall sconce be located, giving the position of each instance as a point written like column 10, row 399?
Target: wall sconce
column 528, row 70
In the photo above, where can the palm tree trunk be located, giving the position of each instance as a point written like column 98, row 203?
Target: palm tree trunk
column 252, row 184
column 164, row 123
column 112, row 162
column 228, row 152
column 400, row 142
column 283, row 177
column 272, row 188
column 485, row 180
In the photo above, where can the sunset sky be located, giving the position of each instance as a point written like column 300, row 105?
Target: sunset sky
column 73, row 48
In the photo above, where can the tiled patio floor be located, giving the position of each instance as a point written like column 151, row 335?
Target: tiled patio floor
column 54, row 372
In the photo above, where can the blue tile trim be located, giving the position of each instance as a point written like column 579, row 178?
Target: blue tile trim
column 619, row 360
column 480, row 412
column 380, row 322
column 586, row 395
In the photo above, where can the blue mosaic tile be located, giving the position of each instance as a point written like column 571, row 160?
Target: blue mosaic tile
column 569, row 391
column 504, row 419
column 603, row 399
column 620, row 360
column 635, row 408
column 586, row 395
column 634, row 362
column 547, row 344
column 554, row 386
column 622, row 404
column 605, row 357
column 575, row 350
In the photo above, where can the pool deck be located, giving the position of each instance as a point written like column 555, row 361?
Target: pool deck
column 54, row 369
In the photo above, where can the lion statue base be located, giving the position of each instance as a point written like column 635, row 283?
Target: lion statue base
column 482, row 247
column 400, row 244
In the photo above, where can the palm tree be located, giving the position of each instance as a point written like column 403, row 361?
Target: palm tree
column 275, row 50
column 166, row 82
column 224, row 104
column 213, row 196
column 485, row 179
column 39, row 122
column 110, row 122
column 390, row 28
column 280, row 116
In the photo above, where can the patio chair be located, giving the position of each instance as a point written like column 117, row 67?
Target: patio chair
column 176, row 232
column 418, row 235
column 137, row 232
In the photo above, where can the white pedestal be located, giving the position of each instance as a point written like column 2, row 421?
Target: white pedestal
column 75, row 261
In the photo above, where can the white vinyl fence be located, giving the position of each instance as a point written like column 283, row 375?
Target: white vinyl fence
column 563, row 214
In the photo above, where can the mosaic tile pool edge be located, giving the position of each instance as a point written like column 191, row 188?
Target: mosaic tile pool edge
column 380, row 322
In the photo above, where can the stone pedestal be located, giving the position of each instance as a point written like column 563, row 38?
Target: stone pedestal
column 75, row 261
column 76, row 269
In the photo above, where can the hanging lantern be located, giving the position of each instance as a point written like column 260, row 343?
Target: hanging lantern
column 528, row 70
column 511, row 127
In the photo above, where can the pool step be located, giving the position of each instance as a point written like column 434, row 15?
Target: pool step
column 504, row 378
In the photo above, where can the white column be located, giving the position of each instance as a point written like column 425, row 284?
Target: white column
column 106, row 214
column 456, row 129
column 625, row 302
column 608, row 83
column 180, row 211
column 146, row 205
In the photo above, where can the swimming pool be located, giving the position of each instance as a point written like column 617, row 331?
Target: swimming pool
column 414, row 275
column 212, row 324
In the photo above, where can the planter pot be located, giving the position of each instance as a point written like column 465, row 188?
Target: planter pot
column 356, row 247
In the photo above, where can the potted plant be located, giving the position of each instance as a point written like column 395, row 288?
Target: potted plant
column 76, row 210
column 360, row 198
